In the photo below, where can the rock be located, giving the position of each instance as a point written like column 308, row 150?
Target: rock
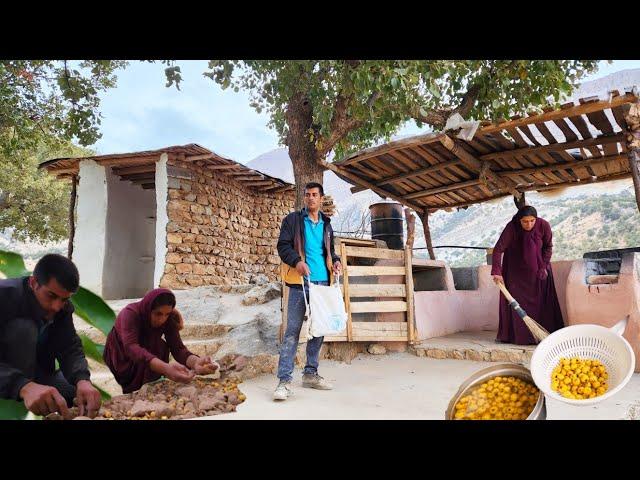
column 499, row 356
column 420, row 352
column 187, row 391
column 209, row 402
column 140, row 407
column 473, row 355
column 262, row 294
column 436, row 353
column 376, row 349
column 81, row 417
column 259, row 279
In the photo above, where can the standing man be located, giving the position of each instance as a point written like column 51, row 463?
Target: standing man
column 306, row 248
column 36, row 329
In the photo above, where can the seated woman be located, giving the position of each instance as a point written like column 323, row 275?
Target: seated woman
column 135, row 351
column 526, row 272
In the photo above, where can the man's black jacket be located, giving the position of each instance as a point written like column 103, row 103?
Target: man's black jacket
column 291, row 239
column 29, row 345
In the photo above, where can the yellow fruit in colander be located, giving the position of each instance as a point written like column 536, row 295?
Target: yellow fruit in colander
column 579, row 379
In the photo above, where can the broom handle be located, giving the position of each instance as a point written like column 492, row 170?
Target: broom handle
column 512, row 301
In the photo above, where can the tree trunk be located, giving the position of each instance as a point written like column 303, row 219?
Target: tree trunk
column 632, row 116
column 72, row 221
column 427, row 233
column 302, row 150
column 411, row 228
column 520, row 202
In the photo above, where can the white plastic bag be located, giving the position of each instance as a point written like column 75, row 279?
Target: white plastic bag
column 325, row 310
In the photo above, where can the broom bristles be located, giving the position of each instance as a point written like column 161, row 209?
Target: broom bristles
column 538, row 332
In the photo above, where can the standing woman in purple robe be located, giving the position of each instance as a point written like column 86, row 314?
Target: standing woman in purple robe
column 525, row 270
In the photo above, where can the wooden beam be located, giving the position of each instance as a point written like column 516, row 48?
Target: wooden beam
column 371, row 271
column 424, row 218
column 475, row 164
column 632, row 118
column 126, row 161
column 564, row 166
column 72, row 217
column 556, row 147
column 379, row 307
column 358, row 180
column 65, row 171
column 248, row 178
column 561, row 114
column 377, row 290
column 258, row 184
column 150, row 168
column 137, row 176
column 445, row 188
column 346, row 289
column 375, row 253
column 226, row 166
column 388, row 147
column 405, row 176
column 203, row 156
column 408, row 254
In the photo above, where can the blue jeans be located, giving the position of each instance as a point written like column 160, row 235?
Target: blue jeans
column 295, row 318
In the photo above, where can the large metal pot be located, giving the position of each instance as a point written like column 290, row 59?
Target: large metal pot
column 539, row 412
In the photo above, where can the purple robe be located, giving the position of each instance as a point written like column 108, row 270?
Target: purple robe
column 526, row 269
column 132, row 343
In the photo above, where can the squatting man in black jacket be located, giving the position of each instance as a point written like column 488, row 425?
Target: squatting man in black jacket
column 36, row 329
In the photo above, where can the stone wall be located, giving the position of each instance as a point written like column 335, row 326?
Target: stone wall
column 220, row 232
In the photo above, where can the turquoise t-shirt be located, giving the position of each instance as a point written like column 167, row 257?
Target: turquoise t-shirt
column 313, row 240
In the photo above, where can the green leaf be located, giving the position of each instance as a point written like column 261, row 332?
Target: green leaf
column 104, row 395
column 92, row 349
column 12, row 265
column 12, row 410
column 93, row 310
column 394, row 82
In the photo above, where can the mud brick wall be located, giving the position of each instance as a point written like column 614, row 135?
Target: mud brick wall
column 220, row 232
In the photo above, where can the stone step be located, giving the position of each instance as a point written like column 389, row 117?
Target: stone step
column 477, row 346
column 191, row 331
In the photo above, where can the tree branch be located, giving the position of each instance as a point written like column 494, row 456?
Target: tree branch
column 438, row 118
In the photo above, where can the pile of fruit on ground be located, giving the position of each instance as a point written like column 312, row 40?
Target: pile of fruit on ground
column 168, row 400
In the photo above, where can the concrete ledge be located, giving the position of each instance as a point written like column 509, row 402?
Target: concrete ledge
column 477, row 346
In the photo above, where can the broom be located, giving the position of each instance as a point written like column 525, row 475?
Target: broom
column 538, row 332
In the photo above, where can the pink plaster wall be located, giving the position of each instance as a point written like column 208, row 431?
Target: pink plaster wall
column 440, row 313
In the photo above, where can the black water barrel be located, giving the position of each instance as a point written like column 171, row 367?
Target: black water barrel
column 386, row 224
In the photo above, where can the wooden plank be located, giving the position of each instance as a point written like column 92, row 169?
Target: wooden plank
column 358, row 180
column 557, row 147
column 409, row 294
column 562, row 113
column 230, row 166
column 345, row 281
column 446, row 188
column 377, row 290
column 357, row 241
column 375, row 253
column 359, row 271
column 203, row 156
column 378, row 327
column 381, row 149
column 260, row 183
column 384, row 306
column 565, row 166
column 602, row 279
column 150, row 168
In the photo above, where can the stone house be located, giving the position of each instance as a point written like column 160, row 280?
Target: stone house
column 177, row 217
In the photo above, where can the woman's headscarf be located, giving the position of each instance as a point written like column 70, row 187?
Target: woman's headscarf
column 144, row 306
column 532, row 256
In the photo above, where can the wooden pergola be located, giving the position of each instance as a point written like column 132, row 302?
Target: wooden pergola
column 592, row 141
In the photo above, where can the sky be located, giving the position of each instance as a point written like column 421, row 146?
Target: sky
column 141, row 113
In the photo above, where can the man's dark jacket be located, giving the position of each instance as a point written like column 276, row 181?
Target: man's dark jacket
column 291, row 240
column 29, row 345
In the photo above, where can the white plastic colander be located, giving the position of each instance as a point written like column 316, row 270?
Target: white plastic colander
column 589, row 342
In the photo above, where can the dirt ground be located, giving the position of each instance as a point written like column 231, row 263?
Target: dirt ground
column 398, row 386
